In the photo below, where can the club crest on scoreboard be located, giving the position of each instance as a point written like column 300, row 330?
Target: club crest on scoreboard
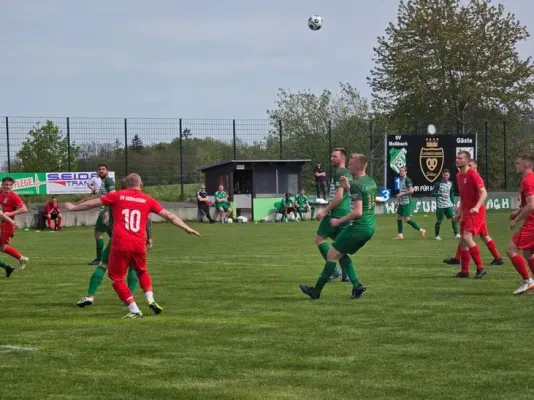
column 431, row 159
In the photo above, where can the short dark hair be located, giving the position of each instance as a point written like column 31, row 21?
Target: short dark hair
column 466, row 154
column 446, row 171
column 103, row 165
column 341, row 150
column 473, row 161
column 8, row 179
column 528, row 158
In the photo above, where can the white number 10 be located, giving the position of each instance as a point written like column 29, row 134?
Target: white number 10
column 132, row 220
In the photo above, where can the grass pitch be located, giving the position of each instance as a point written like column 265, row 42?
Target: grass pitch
column 236, row 325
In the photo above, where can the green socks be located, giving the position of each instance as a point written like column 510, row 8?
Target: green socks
column 414, row 225
column 3, row 265
column 455, row 227
column 99, row 248
column 399, row 226
column 437, row 228
column 96, row 280
column 132, row 280
column 328, row 270
column 324, row 248
column 348, row 269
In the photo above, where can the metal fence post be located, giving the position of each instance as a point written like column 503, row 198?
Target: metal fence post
column 486, row 145
column 125, row 146
column 68, row 144
column 181, row 158
column 235, row 144
column 7, row 143
column 505, row 151
column 371, row 162
column 281, row 140
column 330, row 144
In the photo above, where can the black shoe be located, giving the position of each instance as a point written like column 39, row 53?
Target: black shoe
column 497, row 261
column 212, row 221
column 481, row 273
column 345, row 279
column 9, row 271
column 451, row 261
column 310, row 291
column 358, row 291
column 461, row 275
column 96, row 261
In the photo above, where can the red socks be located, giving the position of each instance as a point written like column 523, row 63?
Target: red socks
column 58, row 222
column 124, row 293
column 492, row 247
column 458, row 255
column 12, row 252
column 465, row 260
column 521, row 266
column 475, row 253
column 531, row 264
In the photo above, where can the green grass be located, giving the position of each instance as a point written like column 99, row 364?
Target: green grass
column 236, row 325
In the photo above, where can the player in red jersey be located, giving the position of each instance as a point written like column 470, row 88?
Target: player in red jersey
column 484, row 235
column 130, row 209
column 11, row 205
column 471, row 213
column 52, row 212
column 524, row 238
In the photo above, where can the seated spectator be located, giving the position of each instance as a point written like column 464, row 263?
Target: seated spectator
column 222, row 205
column 286, row 206
column 52, row 212
column 204, row 203
column 301, row 203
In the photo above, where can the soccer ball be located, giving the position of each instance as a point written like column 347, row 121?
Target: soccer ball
column 230, row 220
column 315, row 22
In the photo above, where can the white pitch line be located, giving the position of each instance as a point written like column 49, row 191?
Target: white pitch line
column 11, row 349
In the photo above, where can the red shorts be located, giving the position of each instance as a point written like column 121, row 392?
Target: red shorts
column 6, row 233
column 473, row 224
column 484, row 230
column 120, row 260
column 524, row 238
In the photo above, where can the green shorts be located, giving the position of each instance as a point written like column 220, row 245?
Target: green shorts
column 326, row 230
column 100, row 226
column 352, row 238
column 405, row 210
column 105, row 254
column 444, row 212
column 224, row 206
column 302, row 209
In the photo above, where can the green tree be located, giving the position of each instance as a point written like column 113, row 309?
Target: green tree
column 47, row 149
column 137, row 144
column 444, row 61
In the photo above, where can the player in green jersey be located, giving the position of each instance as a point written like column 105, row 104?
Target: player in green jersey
column 100, row 271
column 102, row 222
column 338, row 207
column 444, row 194
column 358, row 227
column 404, row 205
column 287, row 207
column 302, row 204
column 222, row 205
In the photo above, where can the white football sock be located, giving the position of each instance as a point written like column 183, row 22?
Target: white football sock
column 149, row 297
column 133, row 307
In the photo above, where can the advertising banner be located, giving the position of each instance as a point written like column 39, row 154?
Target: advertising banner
column 425, row 156
column 70, row 182
column 27, row 183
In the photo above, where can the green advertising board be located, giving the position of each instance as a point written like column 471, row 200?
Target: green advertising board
column 429, row 206
column 27, row 183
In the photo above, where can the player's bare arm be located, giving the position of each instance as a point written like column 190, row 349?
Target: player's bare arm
column 177, row 221
column 357, row 211
column 86, row 205
column 481, row 201
column 20, row 210
column 524, row 212
column 5, row 218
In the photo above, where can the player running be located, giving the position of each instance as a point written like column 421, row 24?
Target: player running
column 5, row 219
column 107, row 186
column 471, row 214
column 100, row 271
column 404, row 206
column 524, row 238
column 131, row 208
column 359, row 227
column 338, row 207
column 11, row 205
column 484, row 235
column 444, row 194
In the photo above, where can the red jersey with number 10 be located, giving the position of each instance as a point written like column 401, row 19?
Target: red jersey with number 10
column 527, row 190
column 130, row 209
column 469, row 184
